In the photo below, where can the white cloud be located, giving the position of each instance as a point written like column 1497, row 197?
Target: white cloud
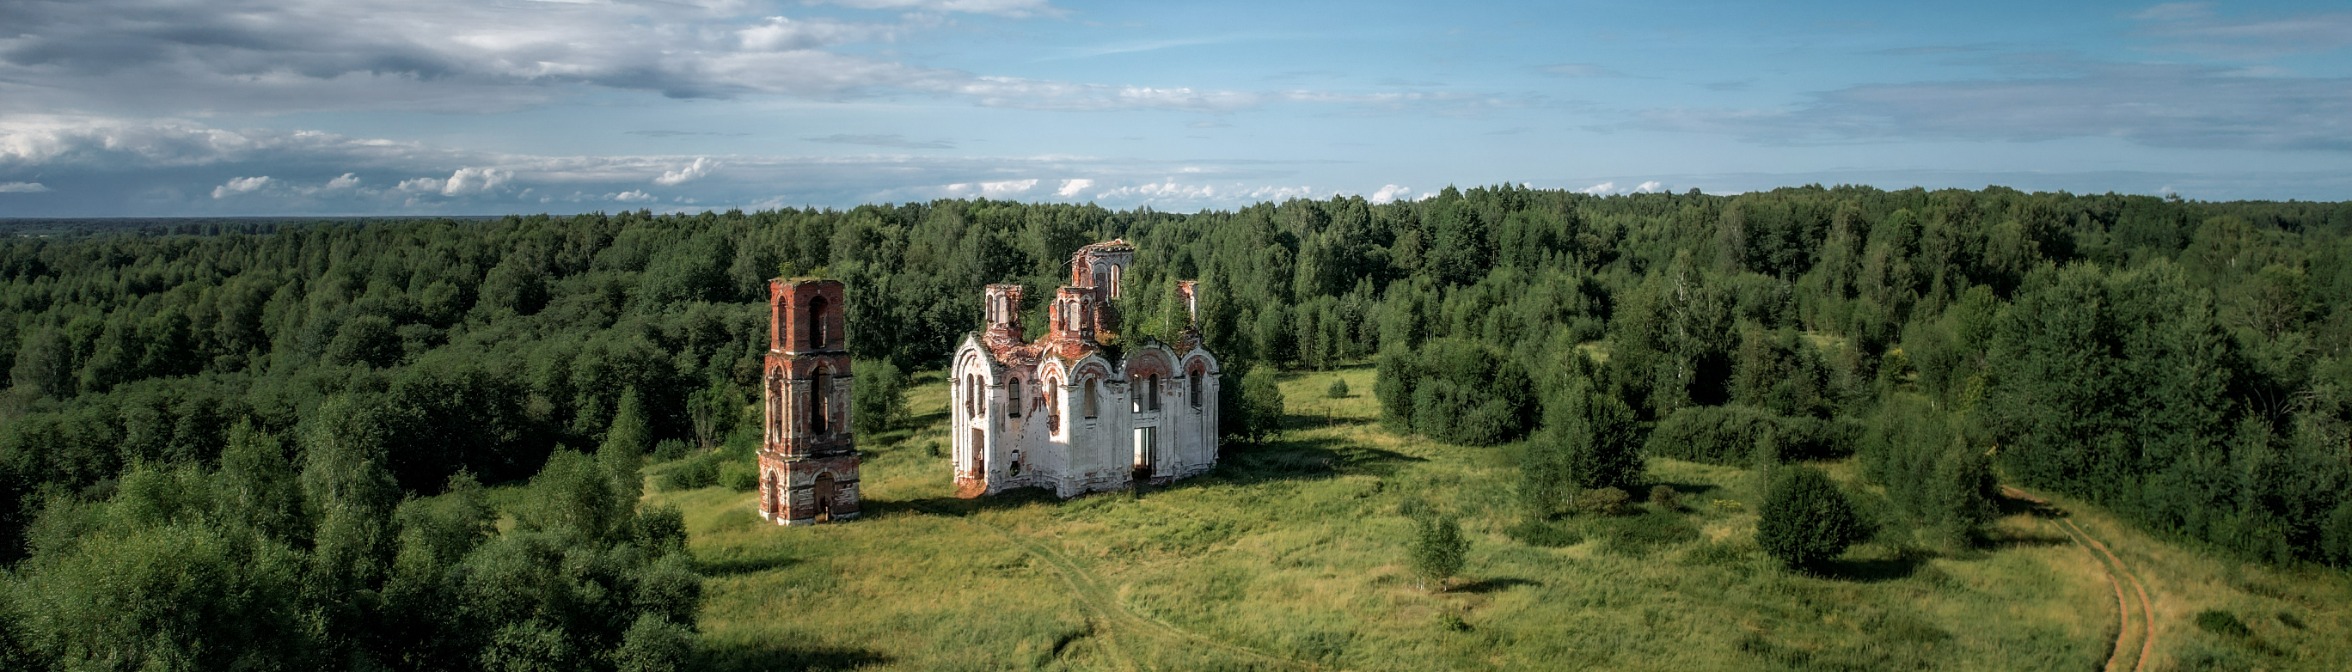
column 420, row 184
column 630, row 196
column 241, row 185
column 1649, row 187
column 1007, row 187
column 1600, row 189
column 1072, row 187
column 474, row 181
column 701, row 166
column 1389, row 193
column 22, row 188
column 780, row 33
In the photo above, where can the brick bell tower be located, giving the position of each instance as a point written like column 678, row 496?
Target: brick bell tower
column 809, row 463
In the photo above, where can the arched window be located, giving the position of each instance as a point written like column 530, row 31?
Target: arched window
column 1093, row 390
column 1013, row 398
column 816, row 323
column 1192, row 383
column 821, row 402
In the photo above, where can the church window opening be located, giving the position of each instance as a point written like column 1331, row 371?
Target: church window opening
column 816, row 325
column 821, row 402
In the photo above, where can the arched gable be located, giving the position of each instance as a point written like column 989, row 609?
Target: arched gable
column 973, row 359
column 1149, row 360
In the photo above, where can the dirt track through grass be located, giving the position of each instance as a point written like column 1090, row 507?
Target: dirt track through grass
column 2117, row 574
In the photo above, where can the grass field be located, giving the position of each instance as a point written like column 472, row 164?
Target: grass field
column 1290, row 556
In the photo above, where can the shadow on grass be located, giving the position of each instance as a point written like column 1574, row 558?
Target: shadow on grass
column 1872, row 570
column 1995, row 539
column 1307, row 459
column 2011, row 506
column 776, row 656
column 1495, row 584
column 741, row 566
column 954, row 506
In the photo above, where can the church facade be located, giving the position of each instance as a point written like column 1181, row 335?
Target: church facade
column 1065, row 412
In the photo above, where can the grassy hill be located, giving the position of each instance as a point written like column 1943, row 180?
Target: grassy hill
column 1291, row 556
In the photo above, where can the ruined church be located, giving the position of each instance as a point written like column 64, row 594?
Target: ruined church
column 1067, row 413
column 808, row 464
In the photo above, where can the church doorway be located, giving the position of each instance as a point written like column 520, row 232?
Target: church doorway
column 824, row 497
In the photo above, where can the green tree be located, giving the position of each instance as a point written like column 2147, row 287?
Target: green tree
column 1439, row 549
column 878, row 398
column 1806, row 520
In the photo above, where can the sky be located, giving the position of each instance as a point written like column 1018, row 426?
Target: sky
column 472, row 107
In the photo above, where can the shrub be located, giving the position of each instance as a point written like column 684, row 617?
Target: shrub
column 1806, row 520
column 700, row 472
column 1337, row 390
column 1727, row 435
column 739, row 475
column 1604, row 501
column 1723, row 435
column 670, row 449
column 1665, row 498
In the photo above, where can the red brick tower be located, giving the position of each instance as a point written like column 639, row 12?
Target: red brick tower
column 809, row 463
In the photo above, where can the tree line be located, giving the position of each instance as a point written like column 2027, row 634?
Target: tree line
column 2180, row 362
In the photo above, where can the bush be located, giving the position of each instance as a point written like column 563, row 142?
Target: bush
column 1337, row 390
column 1604, row 501
column 671, row 449
column 1806, row 520
column 1665, row 498
column 739, row 475
column 1589, row 441
column 701, row 472
column 1724, row 435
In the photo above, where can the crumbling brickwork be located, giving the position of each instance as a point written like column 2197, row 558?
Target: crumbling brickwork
column 1064, row 412
column 808, row 463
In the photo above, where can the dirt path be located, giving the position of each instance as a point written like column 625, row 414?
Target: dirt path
column 1104, row 608
column 2128, row 604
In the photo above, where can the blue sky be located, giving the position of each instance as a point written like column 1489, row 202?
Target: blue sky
column 344, row 107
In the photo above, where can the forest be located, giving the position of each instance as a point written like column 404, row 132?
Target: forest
column 441, row 423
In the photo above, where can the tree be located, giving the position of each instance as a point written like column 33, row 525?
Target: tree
column 1439, row 549
column 1598, row 433
column 625, row 445
column 1261, row 406
column 1337, row 390
column 712, row 410
column 878, row 398
column 1806, row 520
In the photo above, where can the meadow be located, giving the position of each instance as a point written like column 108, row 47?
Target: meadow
column 1291, row 555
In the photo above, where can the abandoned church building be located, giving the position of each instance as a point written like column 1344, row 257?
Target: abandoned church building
column 1069, row 414
column 808, row 465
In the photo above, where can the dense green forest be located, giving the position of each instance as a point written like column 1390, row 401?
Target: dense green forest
column 301, row 420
